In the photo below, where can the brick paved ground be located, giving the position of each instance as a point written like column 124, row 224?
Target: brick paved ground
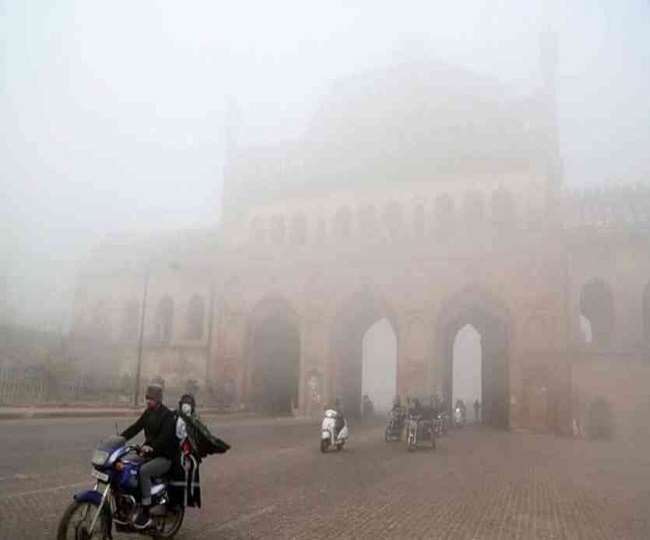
column 478, row 484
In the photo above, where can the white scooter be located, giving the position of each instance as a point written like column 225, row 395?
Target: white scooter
column 328, row 436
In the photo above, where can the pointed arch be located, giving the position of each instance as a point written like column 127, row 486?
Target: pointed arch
column 597, row 306
column 164, row 320
column 195, row 317
column 272, row 352
column 355, row 315
column 298, row 229
column 342, row 226
column 130, row 320
column 444, row 212
column 484, row 311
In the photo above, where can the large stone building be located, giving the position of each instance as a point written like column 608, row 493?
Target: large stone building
column 422, row 194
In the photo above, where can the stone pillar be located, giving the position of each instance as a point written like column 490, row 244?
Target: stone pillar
column 229, row 367
column 414, row 374
column 313, row 382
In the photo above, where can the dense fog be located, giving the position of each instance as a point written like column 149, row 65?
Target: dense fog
column 114, row 114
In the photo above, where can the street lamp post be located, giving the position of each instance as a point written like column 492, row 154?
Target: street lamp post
column 136, row 390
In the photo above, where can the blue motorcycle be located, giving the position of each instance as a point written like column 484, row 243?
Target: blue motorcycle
column 115, row 498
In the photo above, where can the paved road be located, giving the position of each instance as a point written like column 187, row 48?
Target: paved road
column 276, row 484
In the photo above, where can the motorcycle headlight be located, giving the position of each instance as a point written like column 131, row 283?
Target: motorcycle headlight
column 99, row 457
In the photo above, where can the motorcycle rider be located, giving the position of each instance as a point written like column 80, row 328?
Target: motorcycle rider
column 160, row 447
column 397, row 404
column 415, row 407
column 397, row 411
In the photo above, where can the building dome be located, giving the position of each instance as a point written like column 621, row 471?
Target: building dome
column 411, row 122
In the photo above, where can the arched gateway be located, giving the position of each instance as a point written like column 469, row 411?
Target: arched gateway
column 354, row 318
column 490, row 318
column 273, row 357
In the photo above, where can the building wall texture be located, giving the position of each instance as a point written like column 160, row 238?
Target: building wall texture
column 323, row 238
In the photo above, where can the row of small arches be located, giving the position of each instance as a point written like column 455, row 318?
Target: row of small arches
column 391, row 221
column 596, row 306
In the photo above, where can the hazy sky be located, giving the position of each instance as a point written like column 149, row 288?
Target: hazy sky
column 111, row 113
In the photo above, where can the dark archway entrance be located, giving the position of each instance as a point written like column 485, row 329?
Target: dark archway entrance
column 273, row 358
column 355, row 318
column 597, row 306
column 490, row 320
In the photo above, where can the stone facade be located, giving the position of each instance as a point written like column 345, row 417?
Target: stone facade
column 302, row 266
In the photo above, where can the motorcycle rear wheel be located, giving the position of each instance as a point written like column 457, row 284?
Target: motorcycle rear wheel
column 324, row 443
column 76, row 521
column 171, row 523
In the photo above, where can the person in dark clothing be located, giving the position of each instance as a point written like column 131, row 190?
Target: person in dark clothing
column 185, row 488
column 368, row 409
column 415, row 407
column 195, row 443
column 339, row 422
column 397, row 404
column 160, row 446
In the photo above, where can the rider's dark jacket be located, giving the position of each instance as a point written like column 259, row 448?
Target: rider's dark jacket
column 159, row 431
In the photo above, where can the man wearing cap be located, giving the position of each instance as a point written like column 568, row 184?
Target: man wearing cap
column 160, row 446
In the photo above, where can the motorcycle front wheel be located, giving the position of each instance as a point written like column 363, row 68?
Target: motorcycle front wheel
column 324, row 443
column 76, row 520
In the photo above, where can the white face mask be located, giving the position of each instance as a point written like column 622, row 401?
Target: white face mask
column 186, row 409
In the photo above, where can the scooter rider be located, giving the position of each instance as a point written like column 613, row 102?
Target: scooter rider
column 159, row 447
column 340, row 416
column 460, row 404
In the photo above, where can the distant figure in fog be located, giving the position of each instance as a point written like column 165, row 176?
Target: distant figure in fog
column 477, row 409
column 367, row 407
column 414, row 407
column 397, row 405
